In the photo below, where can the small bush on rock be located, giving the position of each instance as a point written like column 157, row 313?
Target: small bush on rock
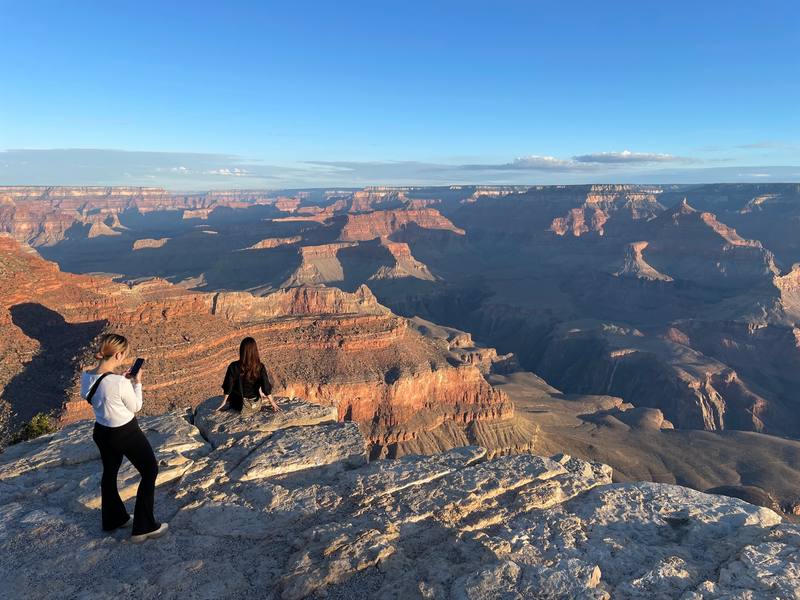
column 40, row 424
column 5, row 425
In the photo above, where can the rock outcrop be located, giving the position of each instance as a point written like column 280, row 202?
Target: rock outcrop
column 318, row 265
column 372, row 199
column 383, row 223
column 789, row 287
column 404, row 264
column 694, row 246
column 141, row 244
column 580, row 221
column 636, row 266
column 242, row 307
column 287, row 506
column 765, row 212
column 343, row 263
column 286, row 204
column 275, row 242
column 100, row 229
column 603, row 201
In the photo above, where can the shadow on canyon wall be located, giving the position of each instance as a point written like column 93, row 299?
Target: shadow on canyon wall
column 45, row 381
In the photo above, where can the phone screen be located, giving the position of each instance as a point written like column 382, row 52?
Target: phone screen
column 136, row 366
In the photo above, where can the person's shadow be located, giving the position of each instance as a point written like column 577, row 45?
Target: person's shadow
column 44, row 383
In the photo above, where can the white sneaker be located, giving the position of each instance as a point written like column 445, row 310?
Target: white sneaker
column 137, row 539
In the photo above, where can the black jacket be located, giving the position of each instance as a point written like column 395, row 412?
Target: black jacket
column 249, row 387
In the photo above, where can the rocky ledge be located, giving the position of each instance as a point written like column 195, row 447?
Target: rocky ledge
column 287, row 506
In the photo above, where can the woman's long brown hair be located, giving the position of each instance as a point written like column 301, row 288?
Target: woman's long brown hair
column 249, row 360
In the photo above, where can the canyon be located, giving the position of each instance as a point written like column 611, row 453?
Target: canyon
column 441, row 316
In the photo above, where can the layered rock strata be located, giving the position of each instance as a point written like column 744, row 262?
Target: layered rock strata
column 383, row 223
column 602, row 201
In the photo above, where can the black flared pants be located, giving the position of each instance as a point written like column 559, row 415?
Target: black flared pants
column 130, row 442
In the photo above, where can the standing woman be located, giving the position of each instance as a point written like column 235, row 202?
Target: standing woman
column 246, row 381
column 115, row 400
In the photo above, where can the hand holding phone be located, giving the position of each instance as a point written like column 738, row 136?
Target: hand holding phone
column 135, row 372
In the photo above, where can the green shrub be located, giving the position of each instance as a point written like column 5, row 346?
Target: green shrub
column 40, row 424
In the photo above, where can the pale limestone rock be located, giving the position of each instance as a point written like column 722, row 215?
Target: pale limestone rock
column 568, row 578
column 770, row 569
column 298, row 448
column 390, row 476
column 501, row 580
column 220, row 427
column 285, row 506
column 176, row 442
column 67, row 447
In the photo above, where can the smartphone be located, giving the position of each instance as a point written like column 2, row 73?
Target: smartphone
column 135, row 368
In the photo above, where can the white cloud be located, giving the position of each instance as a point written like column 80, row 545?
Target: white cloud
column 768, row 145
column 542, row 163
column 533, row 162
column 229, row 172
column 582, row 163
column 628, row 157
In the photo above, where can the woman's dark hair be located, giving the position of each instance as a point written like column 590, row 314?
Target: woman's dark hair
column 249, row 360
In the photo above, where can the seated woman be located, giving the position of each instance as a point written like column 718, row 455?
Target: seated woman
column 246, row 381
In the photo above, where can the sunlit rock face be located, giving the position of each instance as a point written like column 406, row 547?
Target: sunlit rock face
column 367, row 226
column 601, row 202
column 286, row 505
column 149, row 243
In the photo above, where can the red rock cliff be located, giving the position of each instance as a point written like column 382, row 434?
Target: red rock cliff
column 383, row 223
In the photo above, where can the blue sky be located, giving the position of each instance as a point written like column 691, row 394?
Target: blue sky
column 240, row 94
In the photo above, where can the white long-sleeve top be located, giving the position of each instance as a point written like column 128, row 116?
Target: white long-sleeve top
column 116, row 400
